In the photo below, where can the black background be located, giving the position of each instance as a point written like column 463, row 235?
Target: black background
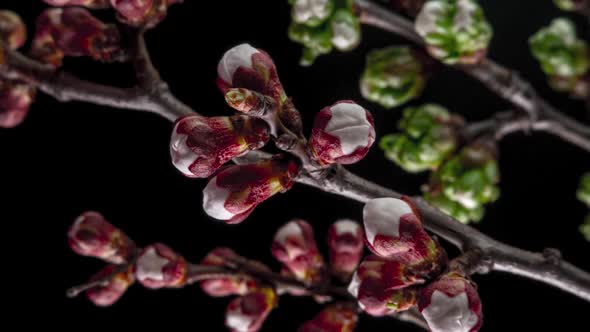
column 69, row 158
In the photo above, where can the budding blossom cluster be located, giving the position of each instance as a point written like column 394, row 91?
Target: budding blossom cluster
column 201, row 146
column 405, row 271
column 564, row 57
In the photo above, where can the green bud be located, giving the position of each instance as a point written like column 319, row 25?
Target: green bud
column 427, row 137
column 315, row 40
column 311, row 12
column 559, row 50
column 346, row 30
column 392, row 76
column 583, row 193
column 585, row 228
column 454, row 209
column 456, row 31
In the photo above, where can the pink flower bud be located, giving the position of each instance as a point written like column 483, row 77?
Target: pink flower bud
column 200, row 145
column 73, row 31
column 294, row 245
column 107, row 295
column 15, row 99
column 92, row 235
column 345, row 239
column 236, row 190
column 342, row 133
column 13, row 31
column 248, row 313
column 94, row 4
column 138, row 13
column 234, row 285
column 339, row 317
column 394, row 230
column 451, row 304
column 247, row 67
column 378, row 284
column 158, row 266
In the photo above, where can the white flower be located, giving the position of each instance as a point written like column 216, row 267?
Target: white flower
column 239, row 56
column 449, row 314
column 150, row 265
column 382, row 217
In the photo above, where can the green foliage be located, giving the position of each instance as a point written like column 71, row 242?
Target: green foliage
column 583, row 193
column 322, row 25
column 456, row 31
column 427, row 137
column 392, row 76
column 559, row 50
column 465, row 183
column 585, row 228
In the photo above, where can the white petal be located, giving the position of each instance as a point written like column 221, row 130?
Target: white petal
column 426, row 20
column 382, row 216
column 350, row 125
column 150, row 265
column 290, row 229
column 344, row 36
column 464, row 15
column 182, row 156
column 346, row 226
column 214, row 198
column 449, row 314
column 237, row 321
column 239, row 56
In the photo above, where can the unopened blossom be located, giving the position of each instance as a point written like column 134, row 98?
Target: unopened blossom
column 346, row 243
column 392, row 76
column 228, row 285
column 158, row 266
column 142, row 13
column 84, row 3
column 393, row 230
column 233, row 193
column 200, row 145
column 428, row 135
column 73, row 31
column 248, row 313
column 339, row 317
column 342, row 133
column 92, row 235
column 455, row 31
column 13, row 31
column 294, row 245
column 109, row 293
column 346, row 31
column 311, row 12
column 15, row 100
column 451, row 304
column 384, row 286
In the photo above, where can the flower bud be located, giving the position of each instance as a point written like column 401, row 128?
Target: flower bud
column 236, row 190
column 15, row 99
column 428, row 136
column 234, row 285
column 381, row 286
column 451, row 304
column 315, row 41
column 73, row 31
column 342, row 133
column 311, row 12
column 294, row 245
column 346, row 30
column 455, row 31
column 392, row 76
column 142, row 13
column 200, row 145
column 106, row 295
column 94, row 4
column 248, row 313
column 92, row 235
column 158, row 266
column 571, row 5
column 345, row 239
column 394, row 230
column 13, row 31
column 339, row 317
column 465, row 183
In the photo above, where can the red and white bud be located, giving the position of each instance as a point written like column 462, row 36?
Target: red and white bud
column 142, row 13
column 92, row 235
column 393, row 230
column 235, row 191
column 451, row 304
column 339, row 317
column 342, row 133
column 225, row 286
column 382, row 286
column 345, row 239
column 107, row 295
column 158, row 266
column 94, row 4
column 247, row 67
column 199, row 145
column 73, row 31
column 13, row 31
column 248, row 313
column 15, row 100
column 294, row 245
